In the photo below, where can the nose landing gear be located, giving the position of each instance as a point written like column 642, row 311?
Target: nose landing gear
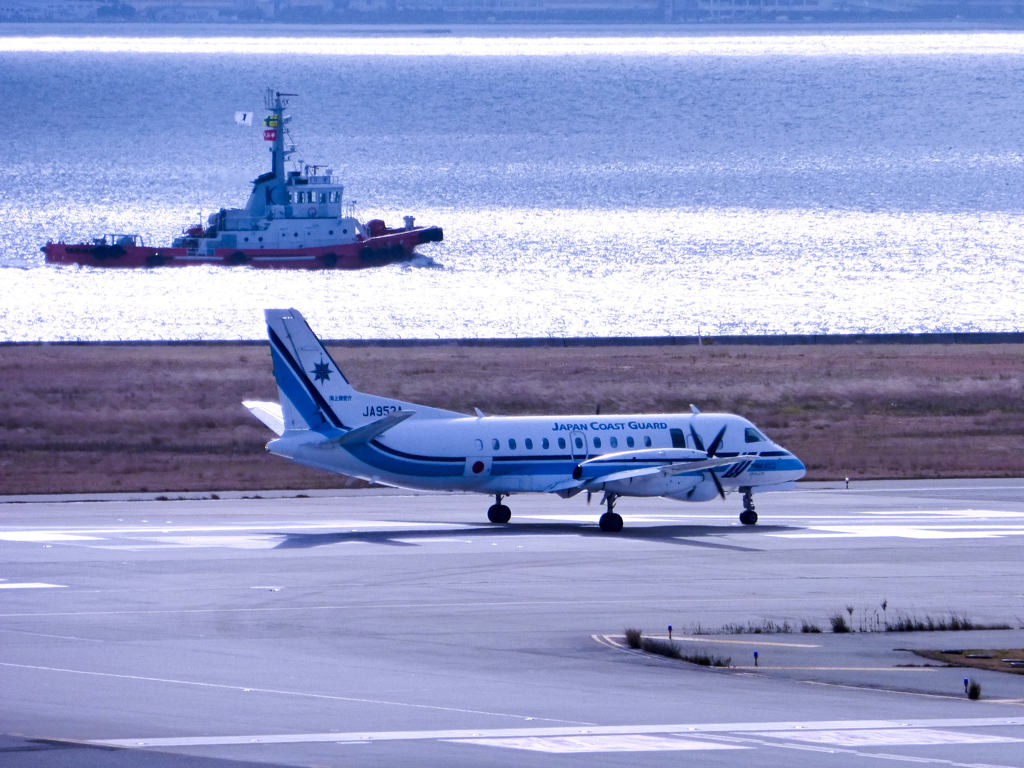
column 748, row 516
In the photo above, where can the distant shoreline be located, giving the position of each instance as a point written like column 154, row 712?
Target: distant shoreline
column 613, row 28
column 803, row 339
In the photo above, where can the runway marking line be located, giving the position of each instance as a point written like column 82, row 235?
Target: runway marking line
column 873, row 737
column 835, row 669
column 689, row 731
column 613, row 642
column 4, row 584
column 565, row 745
column 280, row 692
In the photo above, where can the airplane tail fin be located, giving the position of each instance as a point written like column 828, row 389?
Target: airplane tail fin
column 311, row 386
column 314, row 392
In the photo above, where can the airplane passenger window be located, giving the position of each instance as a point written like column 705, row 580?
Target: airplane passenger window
column 529, row 444
column 579, row 442
column 495, row 444
column 647, row 441
column 630, row 442
column 545, row 444
column 511, row 444
column 597, row 442
column 561, row 443
column 751, row 435
column 613, row 442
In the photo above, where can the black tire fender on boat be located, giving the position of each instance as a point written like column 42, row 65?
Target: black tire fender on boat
column 156, row 260
column 101, row 252
column 237, row 258
column 330, row 259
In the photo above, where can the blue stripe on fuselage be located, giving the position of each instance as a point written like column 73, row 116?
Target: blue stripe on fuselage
column 386, row 459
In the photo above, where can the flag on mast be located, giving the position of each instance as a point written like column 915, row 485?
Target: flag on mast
column 243, row 118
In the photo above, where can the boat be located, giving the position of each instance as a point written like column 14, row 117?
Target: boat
column 293, row 219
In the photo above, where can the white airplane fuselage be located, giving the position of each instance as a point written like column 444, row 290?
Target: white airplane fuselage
column 516, row 454
column 323, row 422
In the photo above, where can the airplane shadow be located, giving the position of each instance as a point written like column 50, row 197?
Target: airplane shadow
column 681, row 535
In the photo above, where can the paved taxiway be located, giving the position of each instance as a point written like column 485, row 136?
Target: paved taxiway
column 390, row 629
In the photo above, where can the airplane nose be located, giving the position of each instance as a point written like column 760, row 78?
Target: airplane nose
column 799, row 470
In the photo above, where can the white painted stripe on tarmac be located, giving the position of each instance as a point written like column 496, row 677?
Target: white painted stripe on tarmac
column 40, row 537
column 904, row 532
column 888, row 737
column 281, row 526
column 283, row 692
column 4, row 584
column 567, row 745
column 682, row 729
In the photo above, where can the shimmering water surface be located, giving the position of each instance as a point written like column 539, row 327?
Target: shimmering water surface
column 587, row 184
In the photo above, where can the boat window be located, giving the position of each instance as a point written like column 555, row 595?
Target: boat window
column 291, row 197
column 647, row 441
column 529, row 444
column 613, row 442
column 545, row 443
column 678, row 438
column 597, row 442
column 561, row 443
column 630, row 442
column 751, row 435
column 495, row 444
column 511, row 444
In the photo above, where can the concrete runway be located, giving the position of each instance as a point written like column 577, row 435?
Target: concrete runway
column 382, row 629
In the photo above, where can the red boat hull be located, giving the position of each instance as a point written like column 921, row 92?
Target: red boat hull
column 395, row 246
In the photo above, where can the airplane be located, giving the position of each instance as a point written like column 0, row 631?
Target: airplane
column 323, row 421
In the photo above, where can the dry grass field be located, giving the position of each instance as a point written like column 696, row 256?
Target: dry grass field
column 83, row 418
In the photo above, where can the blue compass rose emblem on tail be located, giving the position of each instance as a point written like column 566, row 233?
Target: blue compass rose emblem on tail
column 321, row 371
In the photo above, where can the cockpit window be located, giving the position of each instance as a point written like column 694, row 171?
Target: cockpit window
column 751, row 435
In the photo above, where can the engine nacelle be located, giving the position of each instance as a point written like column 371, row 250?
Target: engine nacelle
column 703, row 490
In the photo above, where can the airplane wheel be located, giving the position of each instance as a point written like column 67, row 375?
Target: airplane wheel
column 610, row 522
column 748, row 517
column 499, row 513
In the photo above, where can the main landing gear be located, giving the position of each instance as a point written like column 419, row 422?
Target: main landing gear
column 498, row 512
column 610, row 522
column 748, row 516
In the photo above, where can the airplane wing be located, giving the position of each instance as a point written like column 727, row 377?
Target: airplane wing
column 674, row 468
column 269, row 413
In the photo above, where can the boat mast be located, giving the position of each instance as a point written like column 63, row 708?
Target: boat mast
column 274, row 131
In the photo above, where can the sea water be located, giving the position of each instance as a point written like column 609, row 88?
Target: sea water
column 589, row 183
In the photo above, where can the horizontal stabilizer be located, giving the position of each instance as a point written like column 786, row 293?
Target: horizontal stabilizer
column 269, row 413
column 367, row 432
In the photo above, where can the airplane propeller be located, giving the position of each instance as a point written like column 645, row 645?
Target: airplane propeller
column 711, row 451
